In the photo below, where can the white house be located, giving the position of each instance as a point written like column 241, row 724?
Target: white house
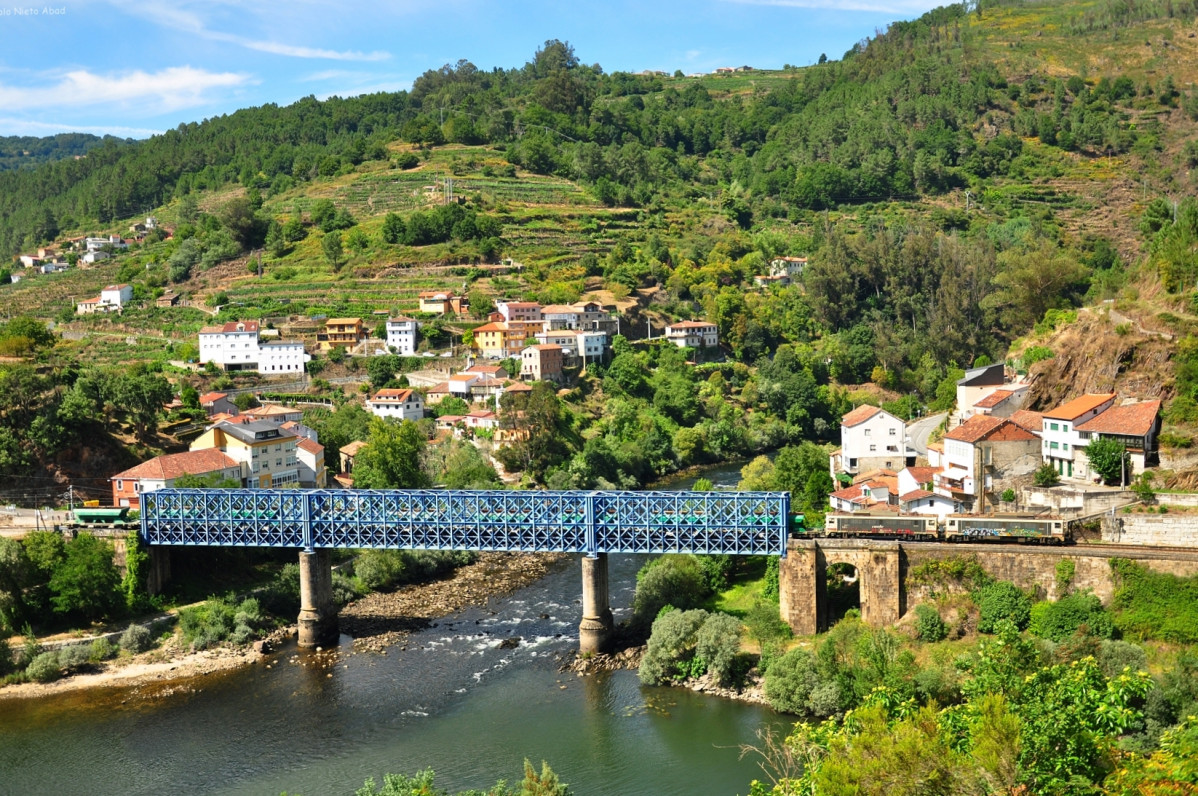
column 916, row 495
column 116, row 295
column 584, row 315
column 237, row 346
column 460, row 383
column 693, row 334
column 401, row 335
column 869, row 495
column 870, row 438
column 1061, row 438
column 91, row 258
column 111, row 299
column 110, row 242
column 519, row 311
column 401, row 404
column 789, row 267
column 986, row 391
column 309, row 456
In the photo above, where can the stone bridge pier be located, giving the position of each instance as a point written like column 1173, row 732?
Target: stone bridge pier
column 595, row 629
column 318, row 612
column 803, row 575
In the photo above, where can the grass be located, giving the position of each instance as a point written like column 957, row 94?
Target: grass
column 745, row 589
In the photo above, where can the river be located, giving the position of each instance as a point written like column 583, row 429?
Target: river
column 451, row 699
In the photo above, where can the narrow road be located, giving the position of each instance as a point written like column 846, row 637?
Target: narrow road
column 919, row 430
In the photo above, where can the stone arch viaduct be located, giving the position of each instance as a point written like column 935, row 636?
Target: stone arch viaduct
column 883, row 568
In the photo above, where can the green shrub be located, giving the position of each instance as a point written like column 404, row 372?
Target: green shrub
column 1002, row 600
column 1059, row 620
column 44, row 668
column 1154, row 605
column 795, row 684
column 929, row 627
column 217, row 620
column 1115, row 656
column 101, row 650
column 1063, row 574
column 671, row 642
column 379, row 569
column 1008, row 496
column 716, row 570
column 74, row 656
column 8, row 661
column 1046, row 475
column 717, row 643
column 670, row 580
column 1036, row 353
column 136, row 638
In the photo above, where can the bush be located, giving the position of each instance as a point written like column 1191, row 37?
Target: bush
column 8, row 662
column 671, row 642
column 217, row 620
column 1154, row 605
column 717, row 643
column 796, row 683
column 1046, row 475
column 74, row 656
column 1115, row 656
column 1059, row 620
column 101, row 650
column 44, row 668
column 136, row 638
column 929, row 626
column 670, row 580
column 999, row 601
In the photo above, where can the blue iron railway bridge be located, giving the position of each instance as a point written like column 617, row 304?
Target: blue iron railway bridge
column 589, row 522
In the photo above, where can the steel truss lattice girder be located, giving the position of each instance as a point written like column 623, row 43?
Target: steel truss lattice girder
column 731, row 523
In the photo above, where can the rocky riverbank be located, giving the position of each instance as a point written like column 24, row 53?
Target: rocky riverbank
column 376, row 622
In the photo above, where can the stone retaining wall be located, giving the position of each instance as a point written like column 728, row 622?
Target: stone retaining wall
column 1179, row 530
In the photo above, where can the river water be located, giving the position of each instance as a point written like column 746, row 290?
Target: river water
column 452, row 699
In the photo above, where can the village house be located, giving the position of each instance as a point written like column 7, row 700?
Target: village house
column 499, row 340
column 864, row 496
column 586, row 315
column 275, row 413
column 402, row 404
column 541, row 363
column 433, row 395
column 487, row 370
column 916, row 493
column 402, row 335
column 443, row 302
column 215, row 402
column 101, row 244
column 1071, row 427
column 788, row 267
column 111, row 299
column 167, row 299
column 91, row 258
column 265, row 452
column 161, row 472
column 529, row 311
column 980, row 455
column 237, row 346
column 986, row 390
column 870, row 437
column 460, row 383
column 693, row 334
column 481, row 419
column 340, row 333
column 309, row 455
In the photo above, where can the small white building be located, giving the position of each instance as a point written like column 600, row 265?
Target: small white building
column 693, row 334
column 583, row 315
column 117, row 295
column 460, row 384
column 309, row 456
column 401, row 404
column 110, row 242
column 401, row 335
column 282, row 356
column 870, row 438
column 519, row 311
column 91, row 258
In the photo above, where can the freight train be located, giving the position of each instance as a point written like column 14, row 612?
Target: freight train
column 954, row 528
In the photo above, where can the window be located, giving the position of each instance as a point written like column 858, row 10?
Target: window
column 1053, row 427
column 120, row 486
column 279, row 462
column 892, row 432
column 1053, row 446
column 1064, row 446
column 867, row 432
column 873, row 448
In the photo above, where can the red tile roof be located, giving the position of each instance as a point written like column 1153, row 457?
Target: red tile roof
column 212, row 397
column 915, row 494
column 308, row 445
column 392, row 395
column 923, row 475
column 994, row 399
column 690, row 325
column 495, row 326
column 441, row 387
column 173, row 465
column 352, row 448
column 859, row 415
column 996, row 429
column 1032, row 421
column 1133, row 420
column 1079, row 406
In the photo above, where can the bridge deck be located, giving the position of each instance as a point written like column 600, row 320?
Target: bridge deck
column 733, row 523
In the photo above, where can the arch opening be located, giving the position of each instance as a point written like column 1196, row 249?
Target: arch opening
column 842, row 585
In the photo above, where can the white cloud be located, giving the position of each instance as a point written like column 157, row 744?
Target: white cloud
column 175, row 16
column 14, row 126
column 150, row 93
column 902, row 7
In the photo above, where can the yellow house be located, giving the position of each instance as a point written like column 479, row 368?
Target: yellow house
column 265, row 452
column 493, row 339
column 340, row 332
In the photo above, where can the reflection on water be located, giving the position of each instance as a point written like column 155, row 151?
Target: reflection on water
column 453, row 700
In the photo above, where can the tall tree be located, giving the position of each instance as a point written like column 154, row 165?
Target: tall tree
column 393, row 457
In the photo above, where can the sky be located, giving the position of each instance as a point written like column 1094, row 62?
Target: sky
column 137, row 67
